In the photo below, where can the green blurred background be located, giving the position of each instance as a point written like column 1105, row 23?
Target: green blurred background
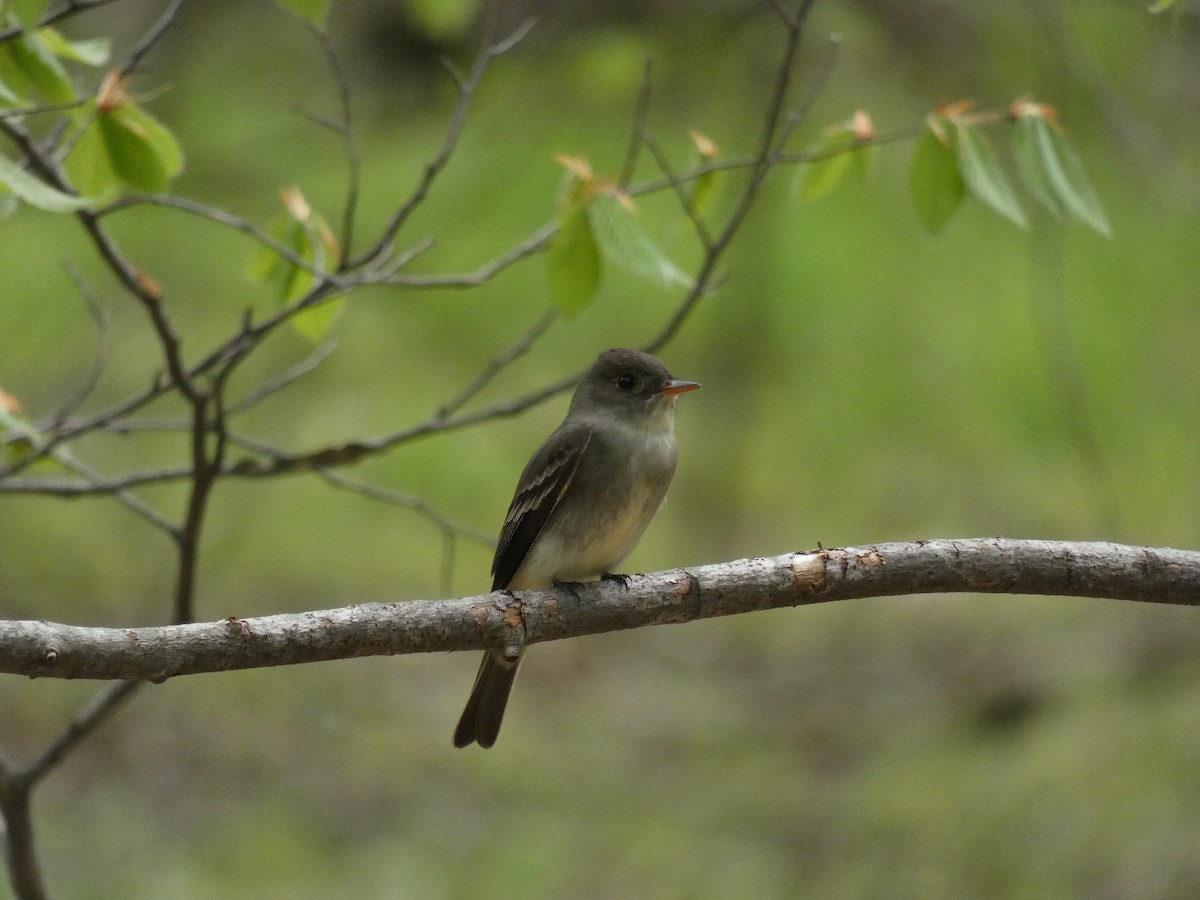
column 862, row 382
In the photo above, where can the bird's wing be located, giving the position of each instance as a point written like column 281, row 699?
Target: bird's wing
column 542, row 485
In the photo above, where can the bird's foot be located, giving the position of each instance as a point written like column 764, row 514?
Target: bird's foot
column 571, row 587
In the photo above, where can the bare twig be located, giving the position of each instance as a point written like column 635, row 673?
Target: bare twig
column 229, row 220
column 640, row 115
column 408, row 502
column 345, row 128
column 27, row 111
column 69, row 9
column 135, row 282
column 84, row 487
column 149, row 295
column 284, row 379
column 450, row 531
column 764, row 161
column 685, row 198
column 99, row 359
column 535, row 243
column 124, row 496
column 499, row 363
column 69, row 431
column 16, row 788
column 106, row 702
column 466, row 92
column 145, row 44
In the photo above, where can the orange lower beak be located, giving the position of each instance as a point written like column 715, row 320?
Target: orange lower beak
column 680, row 387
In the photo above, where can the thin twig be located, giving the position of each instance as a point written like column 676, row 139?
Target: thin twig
column 82, row 487
column 345, row 128
column 68, row 10
column 221, row 217
column 282, row 380
column 142, row 288
column 352, row 452
column 640, row 115
column 764, row 161
column 497, row 364
column 100, row 707
column 125, row 497
column 684, row 197
column 27, row 111
column 466, row 92
column 70, row 431
column 408, row 501
column 99, row 358
column 815, row 89
column 535, row 243
column 449, row 530
column 152, row 36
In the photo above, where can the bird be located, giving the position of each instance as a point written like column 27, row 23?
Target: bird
column 582, row 502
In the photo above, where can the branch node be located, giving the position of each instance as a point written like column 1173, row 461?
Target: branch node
column 870, row 559
column 808, row 570
column 240, row 627
column 838, row 558
column 514, row 623
column 689, row 584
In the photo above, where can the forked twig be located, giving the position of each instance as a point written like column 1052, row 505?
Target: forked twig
column 466, row 91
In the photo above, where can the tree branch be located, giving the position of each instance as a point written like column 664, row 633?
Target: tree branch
column 983, row 565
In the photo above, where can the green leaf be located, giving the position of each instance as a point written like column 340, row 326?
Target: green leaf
column 704, row 192
column 623, row 240
column 316, row 322
column 18, row 438
column 1030, row 168
column 984, row 176
column 823, row 175
column 143, row 153
column 94, row 52
column 8, row 202
column 29, row 69
column 306, row 234
column 88, row 165
column 291, row 281
column 705, row 186
column 935, row 185
column 313, row 10
column 7, row 97
column 573, row 263
column 35, row 192
column 160, row 138
column 28, row 12
column 1056, row 175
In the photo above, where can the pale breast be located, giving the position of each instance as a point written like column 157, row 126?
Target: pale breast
column 602, row 516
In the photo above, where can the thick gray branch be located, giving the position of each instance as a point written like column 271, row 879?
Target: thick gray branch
column 983, row 565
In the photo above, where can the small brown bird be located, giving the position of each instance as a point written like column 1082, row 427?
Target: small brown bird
column 582, row 502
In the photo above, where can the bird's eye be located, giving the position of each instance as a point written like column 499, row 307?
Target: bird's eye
column 626, row 382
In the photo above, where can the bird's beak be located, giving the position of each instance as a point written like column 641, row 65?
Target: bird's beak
column 679, row 387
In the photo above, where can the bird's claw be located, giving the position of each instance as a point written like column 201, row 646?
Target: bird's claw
column 571, row 587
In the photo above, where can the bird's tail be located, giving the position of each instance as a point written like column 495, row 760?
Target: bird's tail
column 480, row 722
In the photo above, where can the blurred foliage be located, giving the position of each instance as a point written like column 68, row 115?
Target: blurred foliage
column 863, row 382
